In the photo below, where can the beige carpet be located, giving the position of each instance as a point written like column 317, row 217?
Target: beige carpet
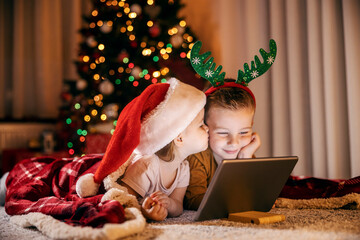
column 299, row 224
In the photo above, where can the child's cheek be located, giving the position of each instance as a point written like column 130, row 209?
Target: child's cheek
column 245, row 141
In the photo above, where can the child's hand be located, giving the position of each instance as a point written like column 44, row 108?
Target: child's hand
column 249, row 150
column 161, row 198
column 153, row 210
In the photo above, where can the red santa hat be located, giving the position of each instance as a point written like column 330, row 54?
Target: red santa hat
column 147, row 124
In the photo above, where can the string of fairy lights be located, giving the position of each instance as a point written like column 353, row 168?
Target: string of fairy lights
column 155, row 50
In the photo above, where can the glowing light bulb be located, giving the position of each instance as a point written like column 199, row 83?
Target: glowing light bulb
column 101, row 47
column 94, row 13
column 86, row 58
column 182, row 23
column 156, row 74
column 150, row 23
column 96, row 77
column 87, row 118
column 94, row 112
column 132, row 15
column 103, row 117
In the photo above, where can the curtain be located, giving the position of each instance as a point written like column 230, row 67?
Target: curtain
column 308, row 102
column 38, row 40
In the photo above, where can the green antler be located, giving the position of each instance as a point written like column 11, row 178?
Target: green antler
column 258, row 68
column 206, row 70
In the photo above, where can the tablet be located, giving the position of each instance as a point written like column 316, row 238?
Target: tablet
column 242, row 185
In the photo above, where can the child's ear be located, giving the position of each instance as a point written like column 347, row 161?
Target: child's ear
column 178, row 140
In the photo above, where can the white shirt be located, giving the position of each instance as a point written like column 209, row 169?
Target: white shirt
column 143, row 176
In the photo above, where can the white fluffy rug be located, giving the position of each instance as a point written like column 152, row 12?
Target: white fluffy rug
column 299, row 224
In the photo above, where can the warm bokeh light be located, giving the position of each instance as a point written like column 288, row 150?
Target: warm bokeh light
column 103, row 117
column 150, row 23
column 87, row 118
column 101, row 47
column 86, row 59
column 94, row 13
column 156, row 74
column 132, row 15
column 96, row 77
column 94, row 112
column 182, row 23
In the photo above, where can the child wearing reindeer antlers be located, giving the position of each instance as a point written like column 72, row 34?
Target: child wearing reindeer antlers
column 146, row 155
column 229, row 114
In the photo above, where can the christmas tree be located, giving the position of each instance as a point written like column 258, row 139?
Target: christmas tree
column 126, row 46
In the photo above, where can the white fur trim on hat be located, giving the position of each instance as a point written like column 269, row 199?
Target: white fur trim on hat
column 122, row 196
column 181, row 105
column 110, row 181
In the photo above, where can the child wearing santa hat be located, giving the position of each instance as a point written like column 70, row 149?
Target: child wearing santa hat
column 146, row 155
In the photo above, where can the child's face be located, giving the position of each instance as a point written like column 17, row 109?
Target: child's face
column 195, row 137
column 229, row 131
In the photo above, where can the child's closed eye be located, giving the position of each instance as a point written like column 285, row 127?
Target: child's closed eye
column 222, row 133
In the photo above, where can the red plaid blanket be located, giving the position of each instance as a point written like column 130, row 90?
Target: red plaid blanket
column 47, row 185
column 310, row 187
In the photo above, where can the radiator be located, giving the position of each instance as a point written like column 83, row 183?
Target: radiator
column 17, row 135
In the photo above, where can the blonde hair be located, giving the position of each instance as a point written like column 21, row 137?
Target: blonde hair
column 167, row 153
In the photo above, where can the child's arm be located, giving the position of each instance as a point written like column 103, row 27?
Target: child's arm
column 249, row 150
column 201, row 172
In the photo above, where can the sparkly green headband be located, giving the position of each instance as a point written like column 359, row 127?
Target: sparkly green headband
column 207, row 70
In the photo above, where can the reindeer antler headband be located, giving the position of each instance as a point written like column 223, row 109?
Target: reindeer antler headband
column 207, row 70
